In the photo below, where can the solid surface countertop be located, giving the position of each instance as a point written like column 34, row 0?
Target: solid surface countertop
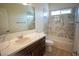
column 15, row 44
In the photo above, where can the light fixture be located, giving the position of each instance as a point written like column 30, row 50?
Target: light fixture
column 26, row 4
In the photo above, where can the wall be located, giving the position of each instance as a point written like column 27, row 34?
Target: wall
column 57, row 6
column 40, row 20
column 3, row 21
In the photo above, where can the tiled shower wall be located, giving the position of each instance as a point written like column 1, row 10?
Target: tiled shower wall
column 61, row 28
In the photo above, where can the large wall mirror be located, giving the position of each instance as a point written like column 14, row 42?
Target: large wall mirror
column 16, row 17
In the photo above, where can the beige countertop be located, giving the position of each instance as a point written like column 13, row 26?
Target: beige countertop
column 15, row 45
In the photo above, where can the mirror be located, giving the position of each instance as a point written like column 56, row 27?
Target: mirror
column 15, row 17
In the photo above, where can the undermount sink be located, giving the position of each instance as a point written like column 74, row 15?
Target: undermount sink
column 22, row 40
column 4, row 45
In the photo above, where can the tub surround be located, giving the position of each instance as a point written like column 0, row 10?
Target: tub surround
column 17, row 44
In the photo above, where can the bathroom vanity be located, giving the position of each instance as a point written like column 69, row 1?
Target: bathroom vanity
column 35, row 49
column 31, row 45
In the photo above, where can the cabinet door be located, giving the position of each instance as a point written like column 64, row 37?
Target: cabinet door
column 24, row 52
column 40, row 48
column 39, row 51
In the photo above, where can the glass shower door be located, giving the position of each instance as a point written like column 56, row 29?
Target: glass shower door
column 61, row 27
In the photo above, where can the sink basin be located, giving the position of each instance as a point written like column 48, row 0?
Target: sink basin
column 20, row 41
column 4, row 45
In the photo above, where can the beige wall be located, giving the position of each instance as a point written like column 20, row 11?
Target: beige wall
column 3, row 21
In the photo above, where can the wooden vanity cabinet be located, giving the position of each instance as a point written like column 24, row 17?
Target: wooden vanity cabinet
column 35, row 49
column 39, row 48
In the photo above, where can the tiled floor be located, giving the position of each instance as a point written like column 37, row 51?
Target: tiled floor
column 58, row 52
